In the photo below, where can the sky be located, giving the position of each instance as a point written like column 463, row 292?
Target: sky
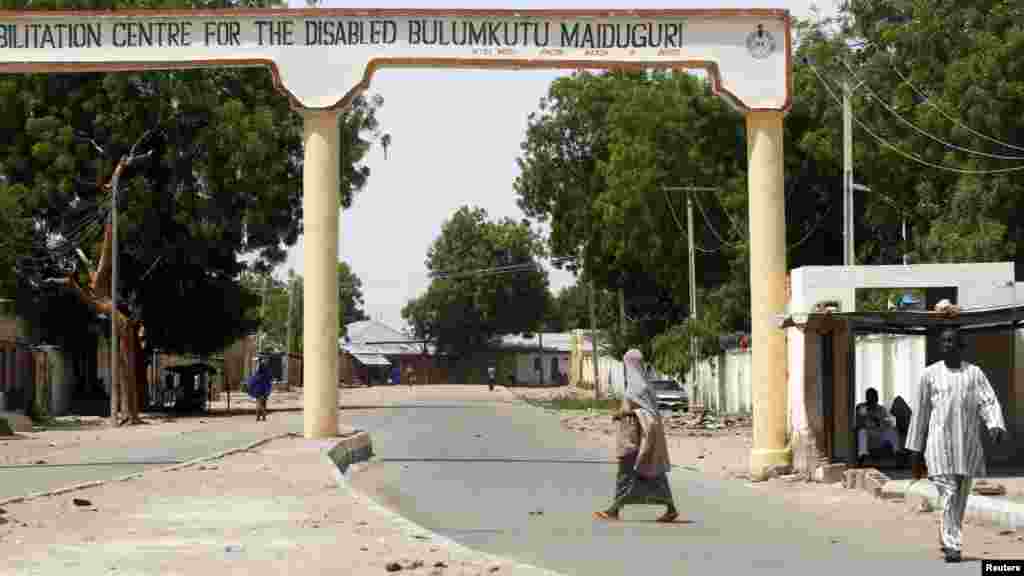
column 455, row 137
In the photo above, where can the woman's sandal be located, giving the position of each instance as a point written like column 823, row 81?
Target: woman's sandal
column 602, row 515
column 668, row 517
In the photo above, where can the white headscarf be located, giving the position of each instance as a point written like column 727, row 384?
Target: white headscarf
column 638, row 390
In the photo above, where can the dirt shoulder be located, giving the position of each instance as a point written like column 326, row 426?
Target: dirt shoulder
column 63, row 441
column 274, row 510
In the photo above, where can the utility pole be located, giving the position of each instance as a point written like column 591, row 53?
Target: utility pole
column 593, row 338
column 848, row 243
column 692, row 253
column 622, row 330
column 693, row 288
column 263, row 315
column 291, row 307
column 540, row 354
column 114, row 392
column 115, row 184
column 288, row 332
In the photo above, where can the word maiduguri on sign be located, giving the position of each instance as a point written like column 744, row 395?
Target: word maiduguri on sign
column 321, row 56
column 341, row 32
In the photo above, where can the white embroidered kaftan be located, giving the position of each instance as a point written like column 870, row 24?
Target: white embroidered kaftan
column 946, row 423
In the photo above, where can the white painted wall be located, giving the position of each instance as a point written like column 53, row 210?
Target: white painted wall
column 527, row 373
column 609, row 372
column 723, row 383
column 890, row 364
column 981, row 284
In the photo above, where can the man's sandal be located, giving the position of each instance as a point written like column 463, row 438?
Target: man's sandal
column 602, row 515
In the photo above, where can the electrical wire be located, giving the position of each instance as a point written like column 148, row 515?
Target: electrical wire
column 736, row 228
column 907, row 155
column 815, row 228
column 927, row 100
column 707, row 221
column 679, row 225
column 921, row 131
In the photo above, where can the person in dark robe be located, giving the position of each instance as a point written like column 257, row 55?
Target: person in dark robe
column 259, row 386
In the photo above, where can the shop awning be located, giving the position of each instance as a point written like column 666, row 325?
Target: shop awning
column 372, row 360
column 980, row 319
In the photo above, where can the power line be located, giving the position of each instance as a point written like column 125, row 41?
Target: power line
column 509, row 269
column 815, row 228
column 711, row 227
column 908, row 155
column 679, row 225
column 927, row 100
column 921, row 131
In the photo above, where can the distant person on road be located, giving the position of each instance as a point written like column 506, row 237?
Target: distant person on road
column 259, row 386
column 410, row 376
column 491, row 376
column 642, row 449
column 954, row 399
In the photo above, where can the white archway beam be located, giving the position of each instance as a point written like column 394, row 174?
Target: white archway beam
column 745, row 52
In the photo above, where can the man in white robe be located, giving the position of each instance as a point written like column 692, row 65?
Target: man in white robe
column 954, row 399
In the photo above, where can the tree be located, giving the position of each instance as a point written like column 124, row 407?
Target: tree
column 350, row 297
column 599, row 161
column 464, row 312
column 570, row 308
column 224, row 180
column 938, row 133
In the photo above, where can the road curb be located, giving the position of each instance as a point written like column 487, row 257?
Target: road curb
column 358, row 448
column 982, row 509
column 136, row 475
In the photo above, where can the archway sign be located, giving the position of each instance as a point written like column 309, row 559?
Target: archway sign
column 322, row 58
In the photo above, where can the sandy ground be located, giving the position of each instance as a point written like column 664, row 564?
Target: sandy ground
column 57, row 443
column 278, row 509
column 275, row 510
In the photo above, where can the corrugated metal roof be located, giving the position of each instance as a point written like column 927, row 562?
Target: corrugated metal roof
column 359, row 334
column 552, row 341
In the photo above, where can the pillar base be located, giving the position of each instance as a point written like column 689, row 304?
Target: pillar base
column 764, row 460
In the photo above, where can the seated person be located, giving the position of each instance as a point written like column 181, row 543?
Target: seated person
column 902, row 413
column 875, row 426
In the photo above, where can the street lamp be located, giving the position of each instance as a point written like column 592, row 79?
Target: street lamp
column 903, row 219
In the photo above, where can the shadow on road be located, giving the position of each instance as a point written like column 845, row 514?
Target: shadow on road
column 475, row 460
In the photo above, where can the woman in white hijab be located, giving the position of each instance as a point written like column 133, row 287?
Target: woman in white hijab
column 642, row 448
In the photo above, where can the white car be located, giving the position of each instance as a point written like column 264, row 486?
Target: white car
column 671, row 395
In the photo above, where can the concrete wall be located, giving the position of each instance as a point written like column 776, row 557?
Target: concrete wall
column 526, row 372
column 609, row 372
column 890, row 364
column 723, row 383
column 983, row 284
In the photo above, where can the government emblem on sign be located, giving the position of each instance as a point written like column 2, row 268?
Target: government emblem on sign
column 760, row 43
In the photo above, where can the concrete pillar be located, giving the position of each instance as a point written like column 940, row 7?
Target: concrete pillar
column 320, row 266
column 767, row 290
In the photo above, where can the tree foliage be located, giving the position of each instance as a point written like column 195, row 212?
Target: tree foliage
column 602, row 162
column 350, row 297
column 274, row 323
column 569, row 309
column 942, row 81
column 463, row 313
column 224, row 180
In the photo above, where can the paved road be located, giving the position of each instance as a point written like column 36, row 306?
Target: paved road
column 473, row 471
column 103, row 462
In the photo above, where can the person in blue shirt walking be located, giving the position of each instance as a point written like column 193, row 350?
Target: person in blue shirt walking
column 259, row 387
